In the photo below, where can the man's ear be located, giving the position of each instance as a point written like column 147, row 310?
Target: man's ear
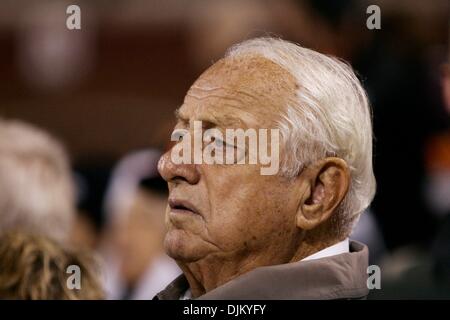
column 324, row 184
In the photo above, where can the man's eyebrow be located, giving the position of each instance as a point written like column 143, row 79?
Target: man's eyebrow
column 212, row 120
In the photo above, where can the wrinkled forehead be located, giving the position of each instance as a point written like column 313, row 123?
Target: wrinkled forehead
column 251, row 88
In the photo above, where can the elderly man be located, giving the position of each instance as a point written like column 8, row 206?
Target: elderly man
column 239, row 234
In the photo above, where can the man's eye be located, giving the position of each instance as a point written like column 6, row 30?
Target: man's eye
column 178, row 135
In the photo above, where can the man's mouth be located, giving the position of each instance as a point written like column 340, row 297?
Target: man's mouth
column 182, row 207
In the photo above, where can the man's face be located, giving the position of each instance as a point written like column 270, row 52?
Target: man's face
column 228, row 211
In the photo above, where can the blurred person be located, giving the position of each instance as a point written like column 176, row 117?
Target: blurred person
column 438, row 154
column 426, row 275
column 137, row 267
column 439, row 192
column 398, row 69
column 238, row 234
column 36, row 191
column 35, row 267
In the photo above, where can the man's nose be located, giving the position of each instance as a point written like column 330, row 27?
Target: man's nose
column 176, row 173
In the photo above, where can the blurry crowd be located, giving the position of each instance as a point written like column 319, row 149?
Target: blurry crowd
column 45, row 228
column 88, row 193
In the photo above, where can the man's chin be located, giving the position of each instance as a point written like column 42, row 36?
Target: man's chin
column 182, row 246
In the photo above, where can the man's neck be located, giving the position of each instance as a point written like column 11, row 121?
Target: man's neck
column 212, row 272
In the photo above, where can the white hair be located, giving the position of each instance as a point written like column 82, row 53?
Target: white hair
column 36, row 190
column 329, row 116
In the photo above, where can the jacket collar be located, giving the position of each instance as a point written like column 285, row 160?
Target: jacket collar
column 341, row 276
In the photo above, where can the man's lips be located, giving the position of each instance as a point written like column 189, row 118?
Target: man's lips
column 182, row 206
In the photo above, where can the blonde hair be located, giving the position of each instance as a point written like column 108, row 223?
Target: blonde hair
column 328, row 116
column 34, row 267
column 36, row 191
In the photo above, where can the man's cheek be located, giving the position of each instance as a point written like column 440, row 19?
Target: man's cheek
column 232, row 237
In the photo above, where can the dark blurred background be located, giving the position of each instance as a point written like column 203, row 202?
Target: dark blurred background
column 111, row 88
